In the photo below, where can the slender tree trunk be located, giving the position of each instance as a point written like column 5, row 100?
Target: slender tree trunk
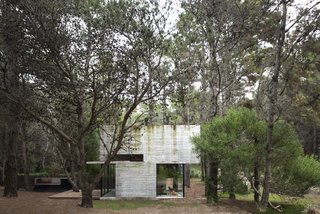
column 212, row 181
column 73, row 183
column 232, row 195
column 256, row 182
column 11, row 167
column 2, row 172
column 3, row 144
column 44, row 156
column 272, row 97
column 315, row 144
column 25, row 159
column 203, row 167
column 164, row 108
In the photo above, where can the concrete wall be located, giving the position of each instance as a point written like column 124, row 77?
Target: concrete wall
column 158, row 144
column 169, row 144
column 135, row 179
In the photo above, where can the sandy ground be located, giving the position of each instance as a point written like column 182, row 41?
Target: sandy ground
column 194, row 203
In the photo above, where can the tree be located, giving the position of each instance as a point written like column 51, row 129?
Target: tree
column 10, row 30
column 220, row 34
column 282, row 51
column 92, row 63
column 237, row 141
column 272, row 99
column 231, row 141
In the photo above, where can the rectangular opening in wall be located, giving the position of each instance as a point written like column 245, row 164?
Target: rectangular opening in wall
column 108, row 184
column 129, row 157
column 170, row 180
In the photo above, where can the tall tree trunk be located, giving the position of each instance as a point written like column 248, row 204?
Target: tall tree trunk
column 314, row 142
column 256, row 182
column 232, row 194
column 11, row 167
column 3, row 144
column 212, row 181
column 273, row 97
column 203, row 167
column 164, row 108
column 11, row 35
column 73, row 183
column 25, row 159
column 84, row 184
column 2, row 168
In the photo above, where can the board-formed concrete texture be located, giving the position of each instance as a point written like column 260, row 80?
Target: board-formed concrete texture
column 135, row 179
column 165, row 144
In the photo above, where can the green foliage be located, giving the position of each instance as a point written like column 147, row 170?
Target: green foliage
column 92, row 146
column 92, row 143
column 297, row 177
column 195, row 171
column 289, row 205
column 52, row 170
column 237, row 141
column 231, row 140
column 166, row 172
column 293, row 172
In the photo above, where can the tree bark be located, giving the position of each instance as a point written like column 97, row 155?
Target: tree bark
column 256, row 183
column 84, row 184
column 86, row 200
column 11, row 36
column 73, row 183
column 273, row 97
column 25, row 159
column 203, row 168
column 86, row 188
column 11, row 167
column 314, row 142
column 212, row 181
column 3, row 143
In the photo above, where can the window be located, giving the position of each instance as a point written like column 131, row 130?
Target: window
column 129, row 157
column 170, row 180
column 108, row 184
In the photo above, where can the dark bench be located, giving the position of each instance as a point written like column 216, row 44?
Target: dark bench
column 51, row 184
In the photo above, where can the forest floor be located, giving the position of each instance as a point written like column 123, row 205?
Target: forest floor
column 194, row 203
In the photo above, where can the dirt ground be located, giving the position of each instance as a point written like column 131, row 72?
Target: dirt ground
column 193, row 203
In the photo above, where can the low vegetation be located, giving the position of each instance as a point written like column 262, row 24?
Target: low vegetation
column 290, row 205
column 131, row 204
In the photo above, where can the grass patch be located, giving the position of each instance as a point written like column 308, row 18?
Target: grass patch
column 287, row 209
column 130, row 204
column 290, row 205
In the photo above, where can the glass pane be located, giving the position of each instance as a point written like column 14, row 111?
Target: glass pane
column 170, row 180
column 109, row 181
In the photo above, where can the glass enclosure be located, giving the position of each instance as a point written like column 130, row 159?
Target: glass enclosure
column 170, row 180
column 108, row 181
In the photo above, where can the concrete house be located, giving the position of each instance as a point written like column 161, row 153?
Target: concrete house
column 153, row 166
